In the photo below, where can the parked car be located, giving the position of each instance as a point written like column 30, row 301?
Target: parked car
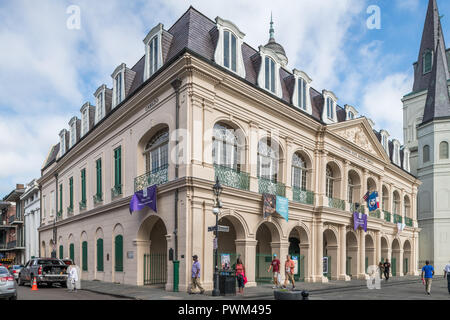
column 44, row 270
column 8, row 285
column 67, row 261
column 15, row 270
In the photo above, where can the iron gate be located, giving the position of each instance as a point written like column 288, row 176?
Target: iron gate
column 263, row 262
column 155, row 268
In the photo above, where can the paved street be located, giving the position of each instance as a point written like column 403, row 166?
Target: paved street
column 56, row 293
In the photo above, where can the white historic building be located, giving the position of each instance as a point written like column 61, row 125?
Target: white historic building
column 32, row 215
column 427, row 135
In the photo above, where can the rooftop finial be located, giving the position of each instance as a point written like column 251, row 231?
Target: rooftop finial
column 271, row 31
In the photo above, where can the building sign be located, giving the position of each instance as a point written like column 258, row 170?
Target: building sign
column 130, row 254
column 295, row 259
column 273, row 204
column 356, row 154
column 152, row 105
column 225, row 260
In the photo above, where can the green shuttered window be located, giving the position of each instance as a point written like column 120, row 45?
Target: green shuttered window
column 61, row 252
column 118, row 167
column 99, row 177
column 84, row 246
column 99, row 254
column 72, row 252
column 83, row 185
column 118, row 246
column 71, row 192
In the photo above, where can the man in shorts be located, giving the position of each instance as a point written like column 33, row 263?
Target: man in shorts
column 447, row 275
column 275, row 266
column 290, row 267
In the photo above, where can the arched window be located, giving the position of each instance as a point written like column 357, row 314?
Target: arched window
column 299, row 172
column 84, row 248
column 229, row 50
column 351, row 188
column 330, row 108
column 270, row 74
column 329, row 182
column 225, row 147
column 72, row 252
column 157, row 151
column 302, row 93
column 118, row 252
column 443, row 150
column 427, row 61
column 396, row 203
column 426, row 154
column 351, row 116
column 267, row 161
column 385, row 199
column 99, row 254
column 154, row 52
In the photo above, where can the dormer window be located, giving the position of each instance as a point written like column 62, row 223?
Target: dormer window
column 350, row 112
column 269, row 66
column 229, row 47
column 62, row 142
column 153, row 51
column 385, row 141
column 330, row 108
column 118, row 77
column 100, row 108
column 85, row 122
column 301, row 87
column 427, row 61
column 351, row 116
column 301, row 98
column 396, row 155
column 406, row 162
column 73, row 132
column 118, row 87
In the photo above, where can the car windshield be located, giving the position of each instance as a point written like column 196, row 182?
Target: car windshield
column 53, row 262
column 3, row 271
column 16, row 267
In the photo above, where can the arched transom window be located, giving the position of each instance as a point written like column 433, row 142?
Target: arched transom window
column 443, row 150
column 157, row 151
column 351, row 188
column 299, row 172
column 225, row 146
column 267, row 161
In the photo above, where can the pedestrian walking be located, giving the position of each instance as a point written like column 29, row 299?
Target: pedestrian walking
column 195, row 273
column 73, row 278
column 386, row 269
column 380, row 269
column 240, row 275
column 275, row 266
column 428, row 272
column 447, row 275
column 289, row 267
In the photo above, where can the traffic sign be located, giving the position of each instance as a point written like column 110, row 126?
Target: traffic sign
column 212, row 229
column 223, row 228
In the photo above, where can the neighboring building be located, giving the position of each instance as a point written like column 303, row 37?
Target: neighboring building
column 246, row 118
column 427, row 136
column 32, row 217
column 11, row 228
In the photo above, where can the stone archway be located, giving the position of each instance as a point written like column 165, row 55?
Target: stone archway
column 370, row 253
column 384, row 249
column 330, row 252
column 408, row 264
column 395, row 259
column 299, row 248
column 268, row 244
column 351, row 265
column 152, row 252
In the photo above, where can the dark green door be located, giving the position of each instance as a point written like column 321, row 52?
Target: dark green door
column 405, row 266
column 327, row 271
column 72, row 252
column 367, row 263
column 348, row 266
column 61, row 252
column 394, row 267
column 84, row 247
column 263, row 262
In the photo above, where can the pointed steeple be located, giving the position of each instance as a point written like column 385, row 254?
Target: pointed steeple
column 438, row 98
column 276, row 47
column 271, row 30
column 431, row 36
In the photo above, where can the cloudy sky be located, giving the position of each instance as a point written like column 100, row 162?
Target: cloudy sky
column 47, row 71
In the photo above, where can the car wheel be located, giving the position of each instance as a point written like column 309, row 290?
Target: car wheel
column 19, row 281
column 63, row 284
column 13, row 298
column 31, row 281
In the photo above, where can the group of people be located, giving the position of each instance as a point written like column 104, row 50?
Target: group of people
column 385, row 269
column 428, row 273
column 275, row 266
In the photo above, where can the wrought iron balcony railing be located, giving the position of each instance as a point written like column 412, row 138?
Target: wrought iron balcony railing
column 271, row 187
column 336, row 203
column 360, row 209
column 116, row 191
column 409, row 222
column 98, row 198
column 375, row 214
column 158, row 176
column 232, row 178
column 398, row 218
column 82, row 205
column 303, row 196
column 387, row 216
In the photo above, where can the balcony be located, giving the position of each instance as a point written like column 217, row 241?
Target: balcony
column 409, row 222
column 98, row 198
column 361, row 208
column 232, row 178
column 82, row 205
column 15, row 220
column 271, row 187
column 375, row 214
column 156, row 177
column 397, row 218
column 303, row 196
column 5, row 225
column 336, row 203
column 116, row 191
column 387, row 216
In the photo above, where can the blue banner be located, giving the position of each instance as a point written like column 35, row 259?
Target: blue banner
column 282, row 207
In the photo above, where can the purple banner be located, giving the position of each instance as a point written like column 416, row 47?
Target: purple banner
column 144, row 198
column 360, row 220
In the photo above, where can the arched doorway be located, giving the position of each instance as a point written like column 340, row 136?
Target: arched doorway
column 384, row 249
column 299, row 251
column 370, row 253
column 351, row 265
column 407, row 261
column 395, row 263
column 227, row 248
column 267, row 237
column 330, row 254
column 152, row 252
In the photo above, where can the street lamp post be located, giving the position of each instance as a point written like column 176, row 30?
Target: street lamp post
column 216, row 210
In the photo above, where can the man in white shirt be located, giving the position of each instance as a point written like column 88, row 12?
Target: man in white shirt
column 447, row 275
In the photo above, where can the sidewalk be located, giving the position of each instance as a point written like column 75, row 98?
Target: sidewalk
column 263, row 291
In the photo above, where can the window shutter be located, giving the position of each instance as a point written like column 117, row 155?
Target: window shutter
column 83, row 185
column 61, row 198
column 117, row 166
column 119, row 253
column 71, row 192
column 99, row 177
column 85, row 255
column 99, row 254
column 72, row 252
column 61, row 252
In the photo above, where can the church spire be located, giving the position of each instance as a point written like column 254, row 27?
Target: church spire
column 438, row 98
column 431, row 36
column 271, row 30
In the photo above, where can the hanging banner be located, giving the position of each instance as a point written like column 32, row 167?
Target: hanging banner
column 269, row 205
column 282, row 207
column 144, row 198
column 360, row 220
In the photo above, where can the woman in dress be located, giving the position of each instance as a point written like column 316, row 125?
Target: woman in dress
column 240, row 275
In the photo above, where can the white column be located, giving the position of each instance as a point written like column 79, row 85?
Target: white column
column 362, row 255
column 343, row 254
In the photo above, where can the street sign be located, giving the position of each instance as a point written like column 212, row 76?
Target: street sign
column 212, row 229
column 215, row 244
column 221, row 229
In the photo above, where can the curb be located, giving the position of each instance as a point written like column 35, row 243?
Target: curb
column 111, row 294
